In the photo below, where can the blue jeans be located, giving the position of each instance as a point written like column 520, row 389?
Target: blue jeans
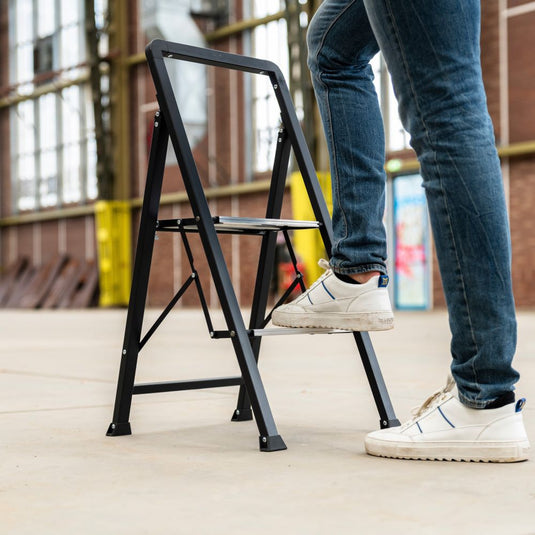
column 432, row 52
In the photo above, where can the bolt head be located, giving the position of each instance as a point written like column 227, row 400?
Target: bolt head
column 237, row 413
column 124, row 351
column 264, row 440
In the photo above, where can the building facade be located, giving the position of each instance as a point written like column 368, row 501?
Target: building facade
column 50, row 175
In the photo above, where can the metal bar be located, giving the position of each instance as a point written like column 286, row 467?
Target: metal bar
column 157, row 49
column 168, row 309
column 140, row 280
column 120, row 97
column 283, row 298
column 302, row 156
column 298, row 274
column 197, row 384
column 269, row 437
column 266, row 260
column 241, row 26
column 198, row 285
column 283, row 331
column 36, row 217
column 375, row 378
column 51, row 87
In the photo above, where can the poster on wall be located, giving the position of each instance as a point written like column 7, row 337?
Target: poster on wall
column 411, row 289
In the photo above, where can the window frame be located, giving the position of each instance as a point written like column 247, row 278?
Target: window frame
column 83, row 188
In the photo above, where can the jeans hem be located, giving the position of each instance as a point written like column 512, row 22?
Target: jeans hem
column 474, row 403
column 363, row 268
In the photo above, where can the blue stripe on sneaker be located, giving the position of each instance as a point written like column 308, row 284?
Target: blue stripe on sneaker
column 443, row 416
column 419, row 427
column 325, row 288
column 308, row 295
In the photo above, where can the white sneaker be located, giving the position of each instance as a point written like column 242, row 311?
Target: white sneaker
column 443, row 429
column 331, row 303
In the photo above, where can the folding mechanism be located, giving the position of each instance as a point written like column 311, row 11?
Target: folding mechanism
column 252, row 399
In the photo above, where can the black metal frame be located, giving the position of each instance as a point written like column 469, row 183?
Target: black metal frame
column 252, row 397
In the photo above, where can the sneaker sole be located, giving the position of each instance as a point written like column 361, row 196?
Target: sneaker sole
column 368, row 321
column 489, row 452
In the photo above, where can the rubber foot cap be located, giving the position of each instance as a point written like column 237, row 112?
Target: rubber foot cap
column 117, row 430
column 273, row 443
column 242, row 415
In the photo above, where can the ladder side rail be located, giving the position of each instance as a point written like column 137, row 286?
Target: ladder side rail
column 266, row 261
column 140, row 279
column 303, row 157
column 270, row 440
column 306, row 166
column 269, row 241
column 375, row 378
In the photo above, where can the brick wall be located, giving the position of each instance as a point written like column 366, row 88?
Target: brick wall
column 522, row 189
column 490, row 59
column 521, row 77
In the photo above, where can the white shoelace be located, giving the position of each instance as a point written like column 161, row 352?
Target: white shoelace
column 434, row 399
column 324, row 264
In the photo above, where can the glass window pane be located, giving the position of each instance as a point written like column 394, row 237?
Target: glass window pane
column 23, row 21
column 71, row 173
column 25, row 183
column 46, row 13
column 100, row 12
column 48, row 178
column 69, row 12
column 92, row 190
column 25, row 125
column 47, row 121
column 89, row 113
column 265, row 107
column 71, row 114
column 24, row 59
column 70, row 47
column 27, row 167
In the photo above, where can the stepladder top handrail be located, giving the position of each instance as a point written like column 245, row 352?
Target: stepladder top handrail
column 158, row 48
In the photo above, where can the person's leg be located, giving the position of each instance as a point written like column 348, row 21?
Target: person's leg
column 341, row 44
column 432, row 52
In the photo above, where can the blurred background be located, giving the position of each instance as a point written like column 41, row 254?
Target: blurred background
column 77, row 106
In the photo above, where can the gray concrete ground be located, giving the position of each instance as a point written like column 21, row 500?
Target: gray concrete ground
column 187, row 469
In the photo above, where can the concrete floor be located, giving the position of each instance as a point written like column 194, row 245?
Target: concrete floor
column 188, row 470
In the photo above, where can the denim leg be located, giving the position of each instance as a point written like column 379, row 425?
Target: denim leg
column 341, row 44
column 432, row 51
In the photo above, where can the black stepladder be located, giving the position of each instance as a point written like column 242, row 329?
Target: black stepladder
column 252, row 399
